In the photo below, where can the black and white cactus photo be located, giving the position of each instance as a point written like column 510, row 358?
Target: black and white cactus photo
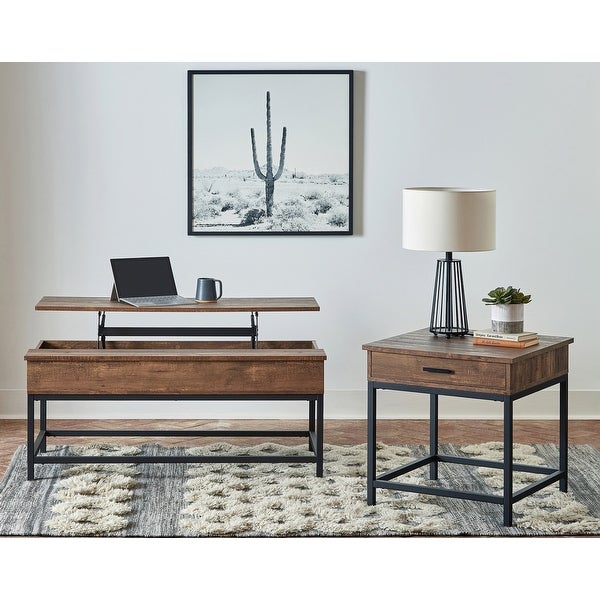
column 270, row 152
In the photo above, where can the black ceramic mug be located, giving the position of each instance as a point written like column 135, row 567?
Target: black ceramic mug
column 206, row 289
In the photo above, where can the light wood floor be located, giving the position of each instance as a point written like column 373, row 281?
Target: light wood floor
column 343, row 432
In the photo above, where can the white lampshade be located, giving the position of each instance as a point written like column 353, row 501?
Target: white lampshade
column 448, row 219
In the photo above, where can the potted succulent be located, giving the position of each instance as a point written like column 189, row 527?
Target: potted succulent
column 507, row 309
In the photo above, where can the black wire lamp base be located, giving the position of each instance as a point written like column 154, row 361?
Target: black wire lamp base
column 449, row 307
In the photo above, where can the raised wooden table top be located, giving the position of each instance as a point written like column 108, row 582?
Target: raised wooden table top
column 423, row 343
column 105, row 304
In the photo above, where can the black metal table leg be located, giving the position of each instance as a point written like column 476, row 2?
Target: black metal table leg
column 311, row 423
column 508, row 461
column 371, row 443
column 433, row 435
column 43, row 419
column 509, row 496
column 30, row 436
column 563, row 442
column 319, row 448
column 101, row 330
column 254, row 329
column 35, row 454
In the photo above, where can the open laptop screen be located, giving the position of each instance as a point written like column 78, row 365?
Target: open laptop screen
column 143, row 276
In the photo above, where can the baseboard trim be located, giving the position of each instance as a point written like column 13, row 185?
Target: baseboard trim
column 339, row 404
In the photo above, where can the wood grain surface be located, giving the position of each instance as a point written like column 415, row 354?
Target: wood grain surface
column 192, row 367
column 105, row 304
column 423, row 343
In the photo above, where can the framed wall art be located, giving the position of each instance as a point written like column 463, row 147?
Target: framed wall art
column 270, row 152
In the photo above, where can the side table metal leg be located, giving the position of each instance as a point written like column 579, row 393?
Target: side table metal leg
column 371, row 443
column 311, row 423
column 433, row 435
column 319, row 449
column 30, row 436
column 563, row 444
column 43, row 419
column 508, row 461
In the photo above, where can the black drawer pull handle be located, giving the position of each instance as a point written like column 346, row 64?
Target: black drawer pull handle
column 434, row 370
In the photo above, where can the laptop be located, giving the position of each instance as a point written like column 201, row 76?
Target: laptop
column 146, row 282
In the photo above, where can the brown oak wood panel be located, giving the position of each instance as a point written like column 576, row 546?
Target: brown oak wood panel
column 191, row 368
column 105, row 304
column 168, row 377
column 135, row 351
column 539, row 368
column 465, row 374
column 423, row 343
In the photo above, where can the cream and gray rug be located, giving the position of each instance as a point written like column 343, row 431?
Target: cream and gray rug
column 285, row 500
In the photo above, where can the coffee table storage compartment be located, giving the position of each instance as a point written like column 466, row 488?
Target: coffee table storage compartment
column 175, row 367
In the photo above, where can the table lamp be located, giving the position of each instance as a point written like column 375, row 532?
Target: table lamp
column 448, row 220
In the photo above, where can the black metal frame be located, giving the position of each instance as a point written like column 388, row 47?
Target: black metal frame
column 508, row 498
column 449, row 306
column 251, row 332
column 37, row 444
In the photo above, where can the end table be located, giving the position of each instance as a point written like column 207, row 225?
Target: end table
column 421, row 362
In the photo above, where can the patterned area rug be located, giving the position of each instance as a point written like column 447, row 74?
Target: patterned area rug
column 287, row 500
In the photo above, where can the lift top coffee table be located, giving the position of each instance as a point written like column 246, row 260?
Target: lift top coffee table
column 421, row 362
column 214, row 370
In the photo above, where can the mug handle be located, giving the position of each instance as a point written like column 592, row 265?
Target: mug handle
column 220, row 287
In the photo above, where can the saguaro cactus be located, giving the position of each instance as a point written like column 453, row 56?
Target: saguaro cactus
column 268, row 177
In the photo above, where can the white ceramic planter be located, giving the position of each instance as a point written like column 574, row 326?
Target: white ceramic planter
column 508, row 318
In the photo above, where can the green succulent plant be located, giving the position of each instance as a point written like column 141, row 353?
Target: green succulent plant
column 508, row 295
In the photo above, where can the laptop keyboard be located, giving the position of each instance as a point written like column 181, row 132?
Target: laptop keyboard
column 160, row 300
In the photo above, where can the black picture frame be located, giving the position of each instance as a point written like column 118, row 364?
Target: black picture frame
column 302, row 184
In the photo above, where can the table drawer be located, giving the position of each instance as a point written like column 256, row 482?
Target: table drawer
column 440, row 372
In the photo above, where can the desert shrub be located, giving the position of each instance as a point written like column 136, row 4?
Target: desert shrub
column 294, row 215
column 215, row 200
column 227, row 205
column 322, row 205
column 290, row 211
column 292, row 224
column 201, row 194
column 252, row 217
column 206, row 211
column 338, row 218
column 340, row 198
column 313, row 194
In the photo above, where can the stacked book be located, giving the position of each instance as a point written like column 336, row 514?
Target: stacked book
column 487, row 337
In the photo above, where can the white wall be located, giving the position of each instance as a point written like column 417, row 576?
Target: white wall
column 93, row 165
